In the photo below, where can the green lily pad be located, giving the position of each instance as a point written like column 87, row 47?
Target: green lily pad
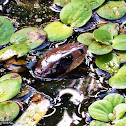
column 6, row 30
column 112, row 28
column 109, row 63
column 57, row 31
column 85, row 38
column 98, row 123
column 13, row 84
column 112, row 10
column 114, row 99
column 76, row 13
column 18, row 50
column 95, row 3
column 100, row 110
column 61, row 3
column 103, row 36
column 119, row 111
column 32, row 36
column 8, row 111
column 99, row 49
column 119, row 42
column 118, row 81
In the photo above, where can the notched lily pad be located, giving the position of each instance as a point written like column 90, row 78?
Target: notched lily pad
column 103, row 36
column 100, row 110
column 112, row 28
column 85, row 38
column 18, row 50
column 118, row 81
column 8, row 111
column 95, row 3
column 32, row 36
column 119, row 42
column 76, row 13
column 13, row 83
column 61, row 3
column 99, row 49
column 57, row 31
column 112, row 10
column 6, row 30
column 109, row 63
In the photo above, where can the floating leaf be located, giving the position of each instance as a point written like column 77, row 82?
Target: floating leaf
column 98, row 123
column 119, row 111
column 108, row 63
column 112, row 10
column 114, row 99
column 121, row 55
column 18, row 50
column 61, row 3
column 99, row 49
column 112, row 28
column 103, row 36
column 32, row 36
column 118, row 81
column 6, row 30
column 76, row 13
column 120, row 122
column 119, row 42
column 13, row 83
column 8, row 111
column 95, row 3
column 100, row 110
column 57, row 31
column 85, row 38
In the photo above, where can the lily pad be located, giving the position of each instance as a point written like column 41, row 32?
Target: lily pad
column 13, row 84
column 76, row 13
column 118, row 81
column 112, row 28
column 112, row 10
column 100, row 110
column 99, row 49
column 18, row 50
column 114, row 99
column 103, row 36
column 32, row 36
column 85, row 38
column 119, row 42
column 109, row 63
column 120, row 110
column 6, row 30
column 57, row 31
column 61, row 3
column 8, row 111
column 95, row 3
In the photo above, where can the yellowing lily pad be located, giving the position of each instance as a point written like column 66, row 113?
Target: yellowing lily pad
column 57, row 31
column 112, row 10
column 109, row 63
column 32, row 36
column 6, row 30
column 85, row 38
column 8, row 111
column 112, row 28
column 18, row 50
column 119, row 42
column 9, row 87
column 95, row 3
column 99, row 49
column 61, row 3
column 103, row 36
column 100, row 110
column 76, row 13
column 118, row 81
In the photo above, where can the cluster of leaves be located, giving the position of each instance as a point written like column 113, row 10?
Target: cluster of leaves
column 109, row 111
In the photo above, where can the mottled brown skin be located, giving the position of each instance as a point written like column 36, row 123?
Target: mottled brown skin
column 61, row 60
